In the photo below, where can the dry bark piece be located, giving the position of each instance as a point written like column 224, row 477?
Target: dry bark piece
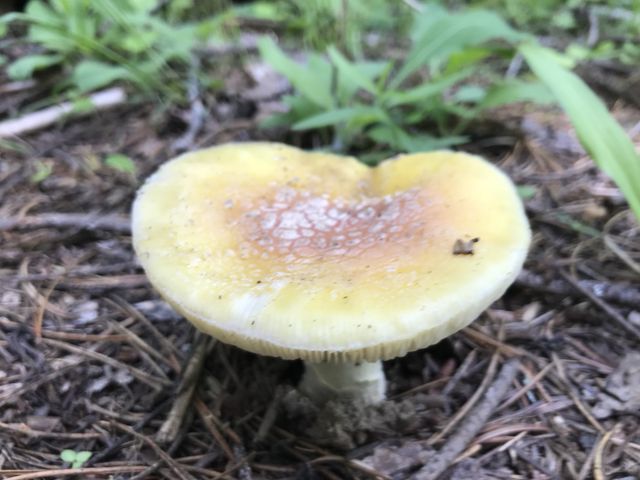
column 315, row 256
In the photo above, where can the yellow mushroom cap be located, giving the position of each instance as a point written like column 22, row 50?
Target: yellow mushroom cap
column 316, row 256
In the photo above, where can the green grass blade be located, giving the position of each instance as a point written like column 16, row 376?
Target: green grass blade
column 452, row 33
column 599, row 133
column 351, row 72
column 312, row 83
column 337, row 116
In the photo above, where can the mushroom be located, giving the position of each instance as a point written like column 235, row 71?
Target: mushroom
column 318, row 257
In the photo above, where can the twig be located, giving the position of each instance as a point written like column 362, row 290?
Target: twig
column 603, row 305
column 491, row 370
column 84, row 221
column 461, row 372
column 34, row 121
column 23, row 429
column 169, row 429
column 474, row 421
column 598, row 461
column 526, row 387
column 61, row 472
column 175, row 467
column 116, row 446
column 208, row 419
column 594, row 28
column 612, row 292
column 587, row 463
column 269, row 417
column 197, row 113
column 81, row 271
column 154, row 382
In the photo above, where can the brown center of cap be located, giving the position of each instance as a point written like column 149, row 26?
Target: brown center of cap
column 299, row 227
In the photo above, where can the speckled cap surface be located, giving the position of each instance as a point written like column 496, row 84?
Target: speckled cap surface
column 310, row 255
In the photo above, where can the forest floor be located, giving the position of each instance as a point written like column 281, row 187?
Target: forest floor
column 92, row 360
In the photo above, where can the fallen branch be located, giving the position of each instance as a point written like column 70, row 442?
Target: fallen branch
column 624, row 294
column 473, row 423
column 42, row 118
column 604, row 306
column 170, row 428
column 197, row 112
column 84, row 472
column 85, row 221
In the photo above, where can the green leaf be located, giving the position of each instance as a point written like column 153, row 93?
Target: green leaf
column 426, row 143
column 90, row 75
column 38, row 11
column 427, row 89
column 517, row 91
column 451, row 33
column 25, row 66
column 120, row 162
column 599, row 133
column 83, row 105
column 68, row 455
column 336, row 116
column 401, row 140
column 351, row 72
column 82, row 457
column 43, row 170
column 526, row 192
column 469, row 93
column 312, row 81
column 137, row 42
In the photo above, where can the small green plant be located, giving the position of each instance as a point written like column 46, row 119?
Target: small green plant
column 423, row 103
column 43, row 170
column 597, row 29
column 445, row 81
column 120, row 162
column 99, row 43
column 76, row 459
column 320, row 23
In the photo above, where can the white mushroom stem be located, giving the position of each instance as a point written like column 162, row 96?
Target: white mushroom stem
column 362, row 380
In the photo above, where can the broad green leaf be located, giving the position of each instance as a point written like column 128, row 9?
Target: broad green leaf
column 512, row 91
column 351, row 72
column 451, row 33
column 313, row 83
column 599, row 133
column 334, row 117
column 25, row 66
column 39, row 12
column 90, row 75
column 120, row 162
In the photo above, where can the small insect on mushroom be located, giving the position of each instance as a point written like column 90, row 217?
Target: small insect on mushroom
column 253, row 243
column 464, row 247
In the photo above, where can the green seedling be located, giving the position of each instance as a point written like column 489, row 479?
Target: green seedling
column 76, row 459
column 121, row 162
